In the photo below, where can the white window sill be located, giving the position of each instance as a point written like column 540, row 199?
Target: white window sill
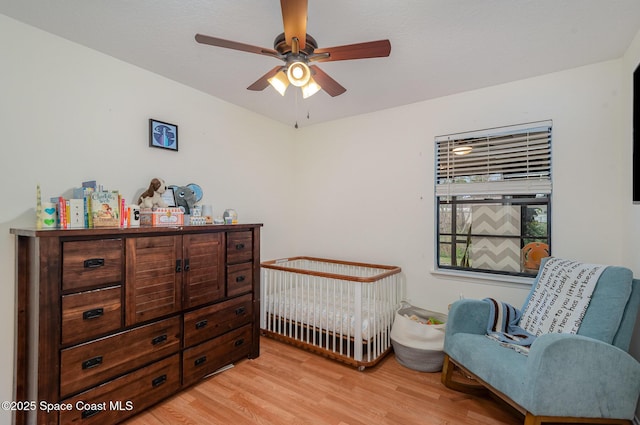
column 486, row 278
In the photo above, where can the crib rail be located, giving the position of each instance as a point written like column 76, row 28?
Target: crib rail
column 340, row 309
column 333, row 269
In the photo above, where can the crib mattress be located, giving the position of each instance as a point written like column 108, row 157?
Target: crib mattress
column 330, row 311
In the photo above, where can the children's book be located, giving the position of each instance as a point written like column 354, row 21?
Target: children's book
column 105, row 209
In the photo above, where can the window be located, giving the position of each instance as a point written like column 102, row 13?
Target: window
column 493, row 198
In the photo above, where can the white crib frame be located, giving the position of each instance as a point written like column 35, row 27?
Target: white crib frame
column 368, row 294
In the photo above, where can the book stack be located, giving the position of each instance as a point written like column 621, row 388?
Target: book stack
column 91, row 206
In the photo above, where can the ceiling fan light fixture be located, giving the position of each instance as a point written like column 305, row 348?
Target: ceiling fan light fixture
column 310, row 88
column 298, row 74
column 280, row 82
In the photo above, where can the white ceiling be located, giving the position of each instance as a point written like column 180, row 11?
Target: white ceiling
column 438, row 47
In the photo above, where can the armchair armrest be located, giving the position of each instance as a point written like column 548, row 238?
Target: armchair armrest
column 586, row 374
column 468, row 316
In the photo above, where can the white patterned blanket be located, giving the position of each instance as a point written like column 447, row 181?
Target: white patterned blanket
column 561, row 297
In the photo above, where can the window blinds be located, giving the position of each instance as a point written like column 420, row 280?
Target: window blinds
column 501, row 161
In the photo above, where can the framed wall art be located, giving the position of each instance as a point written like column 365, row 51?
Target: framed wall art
column 163, row 135
column 636, row 136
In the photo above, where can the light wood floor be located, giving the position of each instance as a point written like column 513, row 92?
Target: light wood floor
column 286, row 385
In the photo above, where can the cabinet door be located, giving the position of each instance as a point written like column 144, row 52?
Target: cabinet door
column 203, row 268
column 154, row 277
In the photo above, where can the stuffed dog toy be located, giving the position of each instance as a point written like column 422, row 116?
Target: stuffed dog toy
column 152, row 197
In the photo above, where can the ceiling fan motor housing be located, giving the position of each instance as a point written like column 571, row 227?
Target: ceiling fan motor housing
column 280, row 44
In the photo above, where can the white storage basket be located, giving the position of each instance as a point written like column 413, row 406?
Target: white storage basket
column 417, row 345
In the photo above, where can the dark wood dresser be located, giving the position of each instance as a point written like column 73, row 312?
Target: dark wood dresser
column 110, row 321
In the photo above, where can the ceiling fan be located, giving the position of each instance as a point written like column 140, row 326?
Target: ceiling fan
column 297, row 50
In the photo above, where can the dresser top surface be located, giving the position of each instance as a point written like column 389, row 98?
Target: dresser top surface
column 131, row 231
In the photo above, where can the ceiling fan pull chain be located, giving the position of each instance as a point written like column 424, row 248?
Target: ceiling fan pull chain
column 296, row 111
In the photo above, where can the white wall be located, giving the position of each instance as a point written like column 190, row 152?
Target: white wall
column 371, row 177
column 69, row 114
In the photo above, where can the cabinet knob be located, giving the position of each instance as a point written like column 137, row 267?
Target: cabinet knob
column 159, row 381
column 93, row 314
column 159, row 339
column 200, row 360
column 91, row 363
column 201, row 324
column 178, row 266
column 240, row 246
column 86, row 414
column 186, row 265
column 92, row 263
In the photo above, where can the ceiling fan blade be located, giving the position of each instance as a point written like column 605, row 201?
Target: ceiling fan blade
column 262, row 82
column 328, row 84
column 371, row 49
column 294, row 19
column 228, row 44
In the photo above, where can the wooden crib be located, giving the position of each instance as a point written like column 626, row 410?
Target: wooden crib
column 340, row 309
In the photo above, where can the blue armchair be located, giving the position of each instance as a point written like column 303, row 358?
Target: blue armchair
column 584, row 378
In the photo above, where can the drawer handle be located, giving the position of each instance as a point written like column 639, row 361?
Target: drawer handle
column 92, row 263
column 159, row 339
column 93, row 314
column 159, row 381
column 240, row 279
column 240, row 311
column 240, row 246
column 178, row 266
column 91, row 363
column 200, row 361
column 239, row 342
column 86, row 414
column 201, row 324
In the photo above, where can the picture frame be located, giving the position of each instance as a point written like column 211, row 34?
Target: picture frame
column 636, row 138
column 163, row 135
column 169, row 197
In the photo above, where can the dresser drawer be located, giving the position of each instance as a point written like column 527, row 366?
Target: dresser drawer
column 208, row 322
column 91, row 263
column 239, row 279
column 125, row 396
column 86, row 365
column 239, row 247
column 91, row 313
column 206, row 358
